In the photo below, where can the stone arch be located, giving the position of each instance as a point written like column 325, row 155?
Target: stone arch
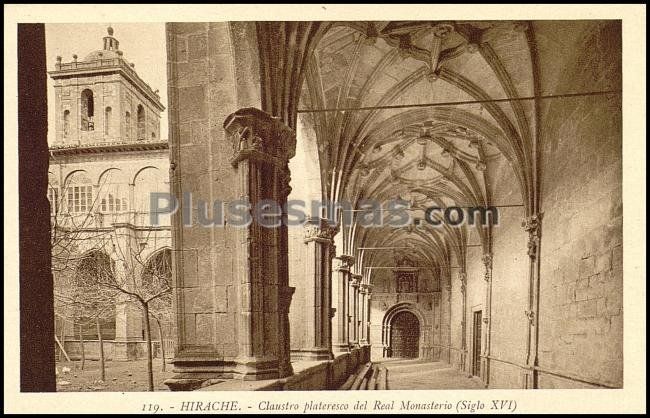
column 71, row 176
column 140, row 170
column 78, row 192
column 158, row 263
column 92, row 268
column 387, row 322
column 107, row 175
column 148, row 179
column 307, row 245
column 156, row 275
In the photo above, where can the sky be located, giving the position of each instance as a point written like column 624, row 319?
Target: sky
column 143, row 44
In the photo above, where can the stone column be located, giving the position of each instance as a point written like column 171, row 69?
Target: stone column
column 285, row 296
column 262, row 146
column 363, row 306
column 128, row 314
column 231, row 284
column 367, row 313
column 354, row 309
column 386, row 340
column 462, row 277
column 532, row 225
column 318, row 292
column 487, row 318
column 340, row 288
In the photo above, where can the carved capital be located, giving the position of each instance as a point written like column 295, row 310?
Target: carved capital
column 365, row 288
column 318, row 229
column 255, row 134
column 532, row 225
column 341, row 265
column 348, row 259
column 345, row 262
column 356, row 280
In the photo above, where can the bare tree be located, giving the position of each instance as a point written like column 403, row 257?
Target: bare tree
column 79, row 295
column 145, row 283
column 121, row 269
column 161, row 311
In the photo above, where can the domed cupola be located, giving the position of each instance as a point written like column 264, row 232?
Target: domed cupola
column 110, row 51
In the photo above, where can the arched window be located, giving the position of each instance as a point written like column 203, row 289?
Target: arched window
column 149, row 180
column 141, row 125
column 107, row 120
column 66, row 123
column 157, row 280
column 79, row 193
column 113, row 192
column 157, row 271
column 87, row 110
column 127, row 124
column 153, row 136
column 92, row 273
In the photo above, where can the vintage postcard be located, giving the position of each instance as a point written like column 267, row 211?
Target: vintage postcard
column 325, row 209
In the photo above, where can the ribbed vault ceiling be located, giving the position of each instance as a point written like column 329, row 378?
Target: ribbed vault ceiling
column 428, row 155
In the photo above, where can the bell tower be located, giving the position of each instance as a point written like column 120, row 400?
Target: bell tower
column 101, row 100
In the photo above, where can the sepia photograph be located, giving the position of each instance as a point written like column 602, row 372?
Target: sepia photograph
column 429, row 204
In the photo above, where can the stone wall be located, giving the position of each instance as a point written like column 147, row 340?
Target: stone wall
column 203, row 91
column 580, row 302
column 581, row 289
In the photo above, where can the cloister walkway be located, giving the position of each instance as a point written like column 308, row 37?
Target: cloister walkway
column 419, row 374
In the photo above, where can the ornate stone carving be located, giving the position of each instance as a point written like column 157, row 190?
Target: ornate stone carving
column 345, row 262
column 487, row 262
column 255, row 134
column 356, row 280
column 532, row 225
column 319, row 230
column 365, row 288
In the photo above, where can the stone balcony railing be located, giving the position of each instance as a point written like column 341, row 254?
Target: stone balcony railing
column 104, row 64
column 77, row 143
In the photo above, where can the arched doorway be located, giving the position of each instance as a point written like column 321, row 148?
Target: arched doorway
column 405, row 335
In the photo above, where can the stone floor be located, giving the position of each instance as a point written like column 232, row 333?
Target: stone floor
column 418, row 374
